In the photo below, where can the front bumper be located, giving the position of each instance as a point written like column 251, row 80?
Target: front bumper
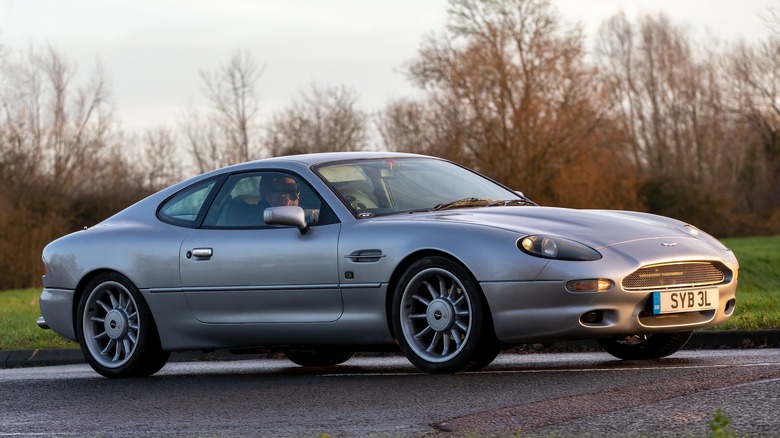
column 544, row 311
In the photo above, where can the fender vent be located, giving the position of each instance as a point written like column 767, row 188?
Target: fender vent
column 366, row 256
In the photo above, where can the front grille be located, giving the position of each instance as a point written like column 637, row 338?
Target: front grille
column 675, row 319
column 675, row 275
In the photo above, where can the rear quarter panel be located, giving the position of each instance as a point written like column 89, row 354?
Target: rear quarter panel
column 147, row 254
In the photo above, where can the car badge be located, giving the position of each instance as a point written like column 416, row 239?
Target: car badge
column 669, row 244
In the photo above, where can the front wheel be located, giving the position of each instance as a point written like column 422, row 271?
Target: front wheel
column 116, row 330
column 645, row 347
column 440, row 319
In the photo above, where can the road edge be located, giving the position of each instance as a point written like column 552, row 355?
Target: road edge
column 707, row 339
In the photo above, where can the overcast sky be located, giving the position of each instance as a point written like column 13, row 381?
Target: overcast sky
column 152, row 50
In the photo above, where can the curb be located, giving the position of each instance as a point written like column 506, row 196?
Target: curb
column 769, row 338
column 706, row 339
column 722, row 339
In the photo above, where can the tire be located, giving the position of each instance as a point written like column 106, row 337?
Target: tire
column 318, row 358
column 116, row 330
column 486, row 354
column 439, row 318
column 645, row 347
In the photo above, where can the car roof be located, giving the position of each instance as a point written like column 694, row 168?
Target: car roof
column 307, row 160
column 325, row 157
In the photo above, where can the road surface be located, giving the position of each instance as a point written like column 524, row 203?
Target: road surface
column 549, row 394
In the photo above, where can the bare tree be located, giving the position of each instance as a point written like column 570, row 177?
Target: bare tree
column 771, row 19
column 410, row 126
column 157, row 158
column 323, row 120
column 53, row 127
column 507, row 92
column 59, row 152
column 224, row 135
column 665, row 98
column 666, row 94
column 754, row 100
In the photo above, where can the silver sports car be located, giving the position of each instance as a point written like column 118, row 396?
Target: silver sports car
column 328, row 254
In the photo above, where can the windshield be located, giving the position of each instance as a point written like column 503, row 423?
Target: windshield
column 387, row 186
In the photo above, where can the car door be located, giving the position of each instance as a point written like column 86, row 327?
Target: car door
column 237, row 270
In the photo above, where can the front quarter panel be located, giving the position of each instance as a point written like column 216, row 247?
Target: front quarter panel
column 387, row 246
column 489, row 253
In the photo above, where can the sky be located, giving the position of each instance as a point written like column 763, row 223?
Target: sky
column 152, row 50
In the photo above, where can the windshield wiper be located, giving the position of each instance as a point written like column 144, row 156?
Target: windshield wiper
column 465, row 202
column 481, row 202
column 523, row 201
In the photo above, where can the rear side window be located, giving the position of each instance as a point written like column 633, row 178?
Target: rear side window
column 185, row 207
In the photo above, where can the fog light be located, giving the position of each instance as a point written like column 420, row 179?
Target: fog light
column 591, row 285
column 730, row 304
column 592, row 317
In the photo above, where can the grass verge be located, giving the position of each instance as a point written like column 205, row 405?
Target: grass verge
column 758, row 292
column 18, row 330
column 758, row 299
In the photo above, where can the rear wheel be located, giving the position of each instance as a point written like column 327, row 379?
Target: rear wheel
column 116, row 330
column 318, row 358
column 440, row 319
column 644, row 347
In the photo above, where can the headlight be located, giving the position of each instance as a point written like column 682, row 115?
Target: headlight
column 557, row 248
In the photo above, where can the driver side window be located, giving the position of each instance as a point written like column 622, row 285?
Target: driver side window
column 244, row 197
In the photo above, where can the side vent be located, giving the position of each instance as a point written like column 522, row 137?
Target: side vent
column 366, row 256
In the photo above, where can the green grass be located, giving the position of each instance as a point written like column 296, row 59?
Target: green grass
column 758, row 292
column 758, row 299
column 18, row 330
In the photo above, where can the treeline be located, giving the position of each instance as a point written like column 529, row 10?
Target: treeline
column 649, row 118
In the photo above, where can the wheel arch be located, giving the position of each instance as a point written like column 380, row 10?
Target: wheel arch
column 411, row 259
column 133, row 350
column 81, row 290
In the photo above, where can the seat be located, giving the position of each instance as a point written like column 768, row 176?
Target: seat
column 240, row 213
column 357, row 198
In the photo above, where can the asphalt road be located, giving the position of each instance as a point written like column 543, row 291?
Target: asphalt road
column 555, row 394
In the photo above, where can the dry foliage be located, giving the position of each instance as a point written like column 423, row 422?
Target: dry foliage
column 324, row 120
column 60, row 159
column 652, row 120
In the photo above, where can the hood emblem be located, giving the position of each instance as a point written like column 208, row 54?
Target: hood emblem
column 669, row 244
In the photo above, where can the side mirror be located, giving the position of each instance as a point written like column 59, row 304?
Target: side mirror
column 291, row 216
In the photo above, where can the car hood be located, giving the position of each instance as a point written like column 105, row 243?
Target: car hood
column 596, row 228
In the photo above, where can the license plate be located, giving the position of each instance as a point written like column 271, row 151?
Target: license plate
column 692, row 300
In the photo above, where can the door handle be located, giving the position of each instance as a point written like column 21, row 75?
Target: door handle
column 201, row 253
